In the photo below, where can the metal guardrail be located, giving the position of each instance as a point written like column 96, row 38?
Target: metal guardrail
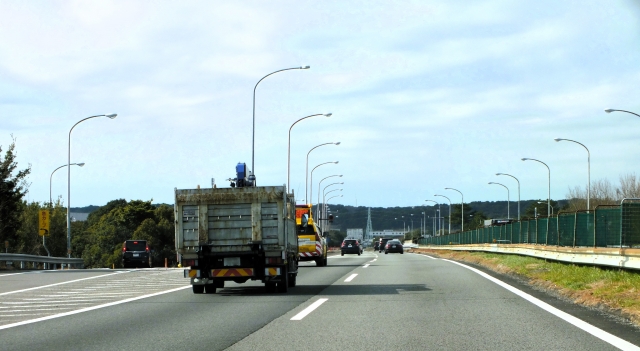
column 47, row 262
column 611, row 257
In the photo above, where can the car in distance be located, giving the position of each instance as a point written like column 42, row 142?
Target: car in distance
column 393, row 246
column 383, row 243
column 135, row 253
column 350, row 246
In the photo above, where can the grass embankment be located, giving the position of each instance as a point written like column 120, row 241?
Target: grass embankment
column 610, row 288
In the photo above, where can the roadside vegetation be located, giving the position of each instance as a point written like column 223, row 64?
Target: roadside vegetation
column 611, row 289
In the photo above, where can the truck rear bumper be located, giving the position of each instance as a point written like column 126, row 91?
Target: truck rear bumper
column 197, row 276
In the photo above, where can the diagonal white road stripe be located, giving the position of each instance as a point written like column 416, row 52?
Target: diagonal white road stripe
column 308, row 310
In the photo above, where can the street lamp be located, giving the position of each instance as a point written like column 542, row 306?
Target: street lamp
column 609, row 110
column 518, row 190
column 252, row 176
column 329, row 199
column 588, row 169
column 411, row 222
column 324, row 200
column 321, row 180
column 51, row 200
column 508, row 205
column 111, row 116
column 434, row 218
column 549, row 173
column 51, row 178
column 449, row 210
column 289, row 145
column 306, row 185
column 311, row 188
column 324, row 189
column 461, row 206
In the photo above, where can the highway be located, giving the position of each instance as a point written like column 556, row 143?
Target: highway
column 369, row 302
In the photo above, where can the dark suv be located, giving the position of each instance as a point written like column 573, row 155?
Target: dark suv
column 350, row 246
column 136, row 253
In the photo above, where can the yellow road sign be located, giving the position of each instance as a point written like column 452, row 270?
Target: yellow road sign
column 44, row 223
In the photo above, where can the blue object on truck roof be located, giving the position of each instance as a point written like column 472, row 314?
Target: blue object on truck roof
column 241, row 170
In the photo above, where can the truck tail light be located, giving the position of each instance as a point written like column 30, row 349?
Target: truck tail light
column 273, row 260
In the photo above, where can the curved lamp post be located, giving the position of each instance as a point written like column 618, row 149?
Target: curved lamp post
column 314, row 168
column 252, row 176
column 434, row 216
column 306, row 184
column 449, row 210
column 549, row 193
column 518, row 190
column 325, row 189
column 51, row 178
column 111, row 116
column 289, row 145
column 609, row 110
column 508, row 214
column 324, row 200
column 51, row 200
column 588, row 169
column 329, row 199
column 321, row 180
column 461, row 206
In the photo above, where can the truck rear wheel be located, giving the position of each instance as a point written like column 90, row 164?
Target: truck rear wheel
column 197, row 289
column 325, row 262
column 210, row 288
column 292, row 280
column 283, row 284
column 270, row 287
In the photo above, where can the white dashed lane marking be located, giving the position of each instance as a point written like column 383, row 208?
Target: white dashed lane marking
column 350, row 278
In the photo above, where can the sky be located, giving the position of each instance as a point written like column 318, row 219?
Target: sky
column 424, row 95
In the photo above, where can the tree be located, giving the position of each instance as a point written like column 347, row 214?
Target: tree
column 13, row 187
column 476, row 220
column 540, row 208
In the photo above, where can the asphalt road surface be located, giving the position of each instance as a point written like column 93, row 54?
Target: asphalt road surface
column 369, row 302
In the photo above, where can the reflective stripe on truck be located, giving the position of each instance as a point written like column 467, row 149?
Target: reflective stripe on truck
column 309, row 251
column 192, row 273
column 232, row 272
column 271, row 271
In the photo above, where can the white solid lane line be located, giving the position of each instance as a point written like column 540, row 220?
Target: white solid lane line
column 308, row 310
column 433, row 258
column 595, row 331
column 7, row 326
column 350, row 278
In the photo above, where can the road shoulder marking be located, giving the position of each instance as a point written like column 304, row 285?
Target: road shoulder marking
column 61, row 283
column 7, row 326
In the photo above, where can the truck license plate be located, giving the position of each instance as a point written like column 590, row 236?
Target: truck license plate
column 231, row 261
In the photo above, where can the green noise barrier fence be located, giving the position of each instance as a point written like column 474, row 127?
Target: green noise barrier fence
column 605, row 226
